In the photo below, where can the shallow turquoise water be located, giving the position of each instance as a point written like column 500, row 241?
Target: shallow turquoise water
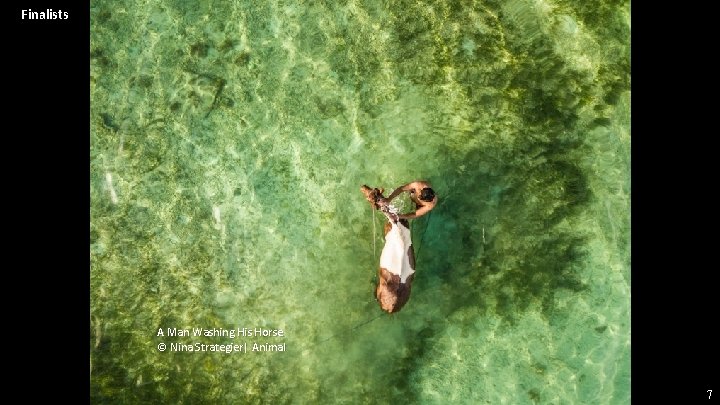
column 228, row 145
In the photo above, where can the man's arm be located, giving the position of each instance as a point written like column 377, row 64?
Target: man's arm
column 399, row 190
column 418, row 213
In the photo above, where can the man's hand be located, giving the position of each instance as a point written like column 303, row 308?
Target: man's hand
column 395, row 217
column 391, row 215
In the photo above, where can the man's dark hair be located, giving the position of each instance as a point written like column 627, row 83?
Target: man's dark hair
column 427, row 194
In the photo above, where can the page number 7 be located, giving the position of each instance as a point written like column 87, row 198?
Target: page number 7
column 710, row 393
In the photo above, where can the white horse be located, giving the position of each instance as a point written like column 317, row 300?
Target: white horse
column 397, row 261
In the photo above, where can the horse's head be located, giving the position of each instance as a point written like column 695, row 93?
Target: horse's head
column 372, row 195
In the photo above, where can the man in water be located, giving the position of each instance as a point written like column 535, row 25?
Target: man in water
column 422, row 195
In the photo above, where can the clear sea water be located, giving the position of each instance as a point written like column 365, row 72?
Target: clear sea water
column 229, row 140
